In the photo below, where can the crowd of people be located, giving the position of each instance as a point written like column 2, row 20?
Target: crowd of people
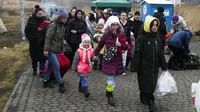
column 109, row 42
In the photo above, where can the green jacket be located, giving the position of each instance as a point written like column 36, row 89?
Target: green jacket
column 54, row 40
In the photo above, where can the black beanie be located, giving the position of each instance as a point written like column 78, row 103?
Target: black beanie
column 137, row 13
column 160, row 9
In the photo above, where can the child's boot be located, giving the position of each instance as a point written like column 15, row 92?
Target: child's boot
column 111, row 101
column 86, row 92
column 80, row 87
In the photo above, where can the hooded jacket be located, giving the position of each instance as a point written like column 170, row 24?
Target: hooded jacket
column 181, row 40
column 180, row 25
column 79, row 26
column 115, row 67
column 82, row 60
column 32, row 26
column 148, row 57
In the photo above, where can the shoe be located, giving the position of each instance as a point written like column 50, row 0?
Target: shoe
column 94, row 67
column 34, row 71
column 111, row 101
column 41, row 74
column 80, row 88
column 47, row 84
column 62, row 88
column 86, row 92
column 124, row 74
column 152, row 107
column 175, row 67
column 143, row 100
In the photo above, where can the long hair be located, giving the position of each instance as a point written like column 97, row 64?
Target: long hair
column 109, row 31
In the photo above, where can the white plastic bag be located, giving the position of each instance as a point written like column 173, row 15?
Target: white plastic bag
column 193, row 90
column 197, row 96
column 166, row 84
column 124, row 55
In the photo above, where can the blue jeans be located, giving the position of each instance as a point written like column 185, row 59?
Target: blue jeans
column 83, row 80
column 53, row 62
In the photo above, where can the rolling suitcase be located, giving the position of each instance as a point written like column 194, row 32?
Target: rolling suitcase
column 64, row 66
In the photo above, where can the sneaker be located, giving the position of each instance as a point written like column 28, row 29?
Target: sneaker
column 34, row 71
column 124, row 74
column 47, row 84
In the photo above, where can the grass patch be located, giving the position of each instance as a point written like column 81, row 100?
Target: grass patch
column 196, row 38
column 12, row 60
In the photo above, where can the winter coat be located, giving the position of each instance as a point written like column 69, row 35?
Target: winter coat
column 32, row 26
column 181, row 40
column 162, row 30
column 127, row 31
column 79, row 26
column 70, row 17
column 32, row 34
column 82, row 60
column 148, row 57
column 54, row 39
column 136, row 27
column 96, row 39
column 115, row 67
column 180, row 25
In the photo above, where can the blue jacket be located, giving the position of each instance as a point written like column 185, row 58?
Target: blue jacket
column 181, row 40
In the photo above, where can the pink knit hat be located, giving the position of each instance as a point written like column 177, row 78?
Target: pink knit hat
column 85, row 37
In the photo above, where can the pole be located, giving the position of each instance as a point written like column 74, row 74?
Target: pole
column 22, row 19
column 59, row 3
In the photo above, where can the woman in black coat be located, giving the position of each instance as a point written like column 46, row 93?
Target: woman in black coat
column 33, row 34
column 148, row 58
column 76, row 27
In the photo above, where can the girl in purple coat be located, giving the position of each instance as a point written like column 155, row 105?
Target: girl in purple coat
column 112, row 57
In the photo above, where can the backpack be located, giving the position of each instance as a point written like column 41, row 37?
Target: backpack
column 41, row 40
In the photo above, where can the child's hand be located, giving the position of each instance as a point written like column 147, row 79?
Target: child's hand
column 73, row 71
column 95, row 58
column 73, row 31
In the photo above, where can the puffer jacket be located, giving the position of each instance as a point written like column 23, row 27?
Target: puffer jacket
column 79, row 26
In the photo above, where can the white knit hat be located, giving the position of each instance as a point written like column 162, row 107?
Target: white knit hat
column 85, row 37
column 111, row 20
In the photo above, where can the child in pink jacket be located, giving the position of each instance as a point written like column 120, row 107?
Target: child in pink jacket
column 82, row 63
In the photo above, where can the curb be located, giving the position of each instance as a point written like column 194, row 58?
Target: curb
column 12, row 95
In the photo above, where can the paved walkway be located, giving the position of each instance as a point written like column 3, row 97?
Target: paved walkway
column 29, row 96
